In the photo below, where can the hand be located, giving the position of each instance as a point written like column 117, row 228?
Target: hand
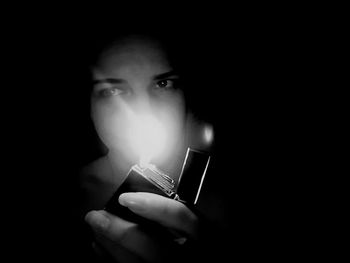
column 124, row 240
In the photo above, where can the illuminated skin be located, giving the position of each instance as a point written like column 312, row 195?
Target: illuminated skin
column 136, row 76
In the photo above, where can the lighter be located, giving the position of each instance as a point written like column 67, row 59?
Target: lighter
column 151, row 179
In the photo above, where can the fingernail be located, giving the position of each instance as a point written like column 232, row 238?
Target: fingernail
column 131, row 200
column 97, row 220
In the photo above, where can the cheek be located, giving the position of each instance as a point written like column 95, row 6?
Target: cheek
column 109, row 120
column 171, row 110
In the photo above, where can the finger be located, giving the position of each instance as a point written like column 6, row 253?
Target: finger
column 111, row 227
column 167, row 212
column 112, row 231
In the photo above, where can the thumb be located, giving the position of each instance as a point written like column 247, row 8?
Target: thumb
column 165, row 211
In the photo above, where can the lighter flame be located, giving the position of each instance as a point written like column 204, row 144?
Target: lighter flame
column 147, row 137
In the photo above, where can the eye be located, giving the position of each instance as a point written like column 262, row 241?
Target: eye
column 109, row 92
column 105, row 90
column 165, row 84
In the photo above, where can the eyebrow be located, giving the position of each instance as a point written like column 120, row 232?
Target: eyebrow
column 166, row 75
column 108, row 80
column 161, row 76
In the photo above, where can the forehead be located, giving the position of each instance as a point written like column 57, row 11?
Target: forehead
column 133, row 55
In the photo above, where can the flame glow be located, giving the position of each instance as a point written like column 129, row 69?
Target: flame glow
column 147, row 137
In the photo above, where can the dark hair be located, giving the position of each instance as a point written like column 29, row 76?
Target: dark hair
column 169, row 43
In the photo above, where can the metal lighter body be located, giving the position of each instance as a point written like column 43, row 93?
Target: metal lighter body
column 153, row 180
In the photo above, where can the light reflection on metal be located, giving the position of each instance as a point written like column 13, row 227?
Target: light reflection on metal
column 208, row 134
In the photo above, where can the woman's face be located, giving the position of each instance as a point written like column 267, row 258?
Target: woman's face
column 134, row 78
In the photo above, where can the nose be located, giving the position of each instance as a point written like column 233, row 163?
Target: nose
column 142, row 102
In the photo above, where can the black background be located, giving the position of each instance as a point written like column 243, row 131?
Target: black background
column 249, row 70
